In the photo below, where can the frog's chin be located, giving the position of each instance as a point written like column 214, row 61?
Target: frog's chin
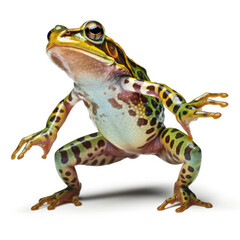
column 80, row 64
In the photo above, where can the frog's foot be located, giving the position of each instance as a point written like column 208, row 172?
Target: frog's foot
column 67, row 195
column 186, row 197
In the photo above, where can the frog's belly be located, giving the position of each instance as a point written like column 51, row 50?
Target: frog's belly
column 123, row 130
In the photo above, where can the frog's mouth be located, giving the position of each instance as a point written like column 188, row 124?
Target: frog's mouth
column 80, row 63
column 98, row 56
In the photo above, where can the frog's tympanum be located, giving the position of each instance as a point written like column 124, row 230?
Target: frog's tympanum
column 127, row 109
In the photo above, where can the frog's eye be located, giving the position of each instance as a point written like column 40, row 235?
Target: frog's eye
column 94, row 31
column 48, row 35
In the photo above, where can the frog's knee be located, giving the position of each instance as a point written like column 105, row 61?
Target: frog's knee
column 193, row 156
column 61, row 157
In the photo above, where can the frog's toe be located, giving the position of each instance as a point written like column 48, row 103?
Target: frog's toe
column 186, row 198
column 68, row 195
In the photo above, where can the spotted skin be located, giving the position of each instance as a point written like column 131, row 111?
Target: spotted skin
column 126, row 107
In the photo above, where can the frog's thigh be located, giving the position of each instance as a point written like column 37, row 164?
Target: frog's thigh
column 176, row 149
column 93, row 150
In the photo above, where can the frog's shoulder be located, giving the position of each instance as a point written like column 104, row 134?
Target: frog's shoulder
column 139, row 71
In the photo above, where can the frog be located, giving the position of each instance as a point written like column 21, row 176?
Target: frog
column 127, row 109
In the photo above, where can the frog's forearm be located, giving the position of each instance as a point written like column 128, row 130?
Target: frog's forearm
column 170, row 98
column 60, row 113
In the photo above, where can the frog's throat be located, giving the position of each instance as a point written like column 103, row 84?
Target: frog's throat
column 80, row 64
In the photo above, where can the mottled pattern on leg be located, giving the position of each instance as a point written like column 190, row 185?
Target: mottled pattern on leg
column 177, row 148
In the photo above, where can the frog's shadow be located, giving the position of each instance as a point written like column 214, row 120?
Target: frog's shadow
column 132, row 193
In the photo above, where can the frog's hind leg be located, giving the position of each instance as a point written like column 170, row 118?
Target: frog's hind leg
column 93, row 150
column 176, row 148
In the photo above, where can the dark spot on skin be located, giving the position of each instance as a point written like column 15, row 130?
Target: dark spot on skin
column 169, row 102
column 76, row 152
column 112, row 88
column 102, row 162
column 132, row 113
column 155, row 105
column 87, row 144
column 171, row 144
column 90, row 154
column 112, row 160
column 149, row 130
column 94, row 163
column 164, row 132
column 160, row 88
column 188, row 176
column 70, row 97
column 180, row 98
column 60, row 170
column 80, row 139
column 94, row 134
column 114, row 103
column 68, row 174
column 183, row 181
column 94, row 108
column 65, row 179
column 166, row 93
column 183, row 170
column 151, row 137
column 128, row 97
column 167, row 139
column 186, row 198
column 190, row 169
column 126, row 81
column 182, row 177
column 55, row 110
column 175, row 109
column 85, row 162
column 187, row 151
column 141, row 122
column 153, row 122
column 144, row 100
column 74, row 180
column 184, row 112
column 86, row 104
column 148, row 111
column 174, row 130
column 55, row 119
column 64, row 156
column 151, row 90
column 136, row 87
column 157, row 113
column 179, row 135
column 179, row 147
column 100, row 143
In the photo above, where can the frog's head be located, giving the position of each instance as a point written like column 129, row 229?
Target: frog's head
column 86, row 53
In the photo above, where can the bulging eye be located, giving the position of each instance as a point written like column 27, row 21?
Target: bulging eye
column 94, row 31
column 48, row 35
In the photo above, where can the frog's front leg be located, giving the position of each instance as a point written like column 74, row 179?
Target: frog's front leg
column 46, row 137
column 93, row 150
column 174, row 102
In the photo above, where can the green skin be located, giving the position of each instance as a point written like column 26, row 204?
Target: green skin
column 126, row 107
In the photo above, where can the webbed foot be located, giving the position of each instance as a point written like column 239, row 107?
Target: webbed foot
column 186, row 197
column 67, row 195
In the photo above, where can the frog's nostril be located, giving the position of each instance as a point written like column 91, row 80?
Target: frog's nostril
column 48, row 35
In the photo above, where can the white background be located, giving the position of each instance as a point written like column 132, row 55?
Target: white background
column 193, row 47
